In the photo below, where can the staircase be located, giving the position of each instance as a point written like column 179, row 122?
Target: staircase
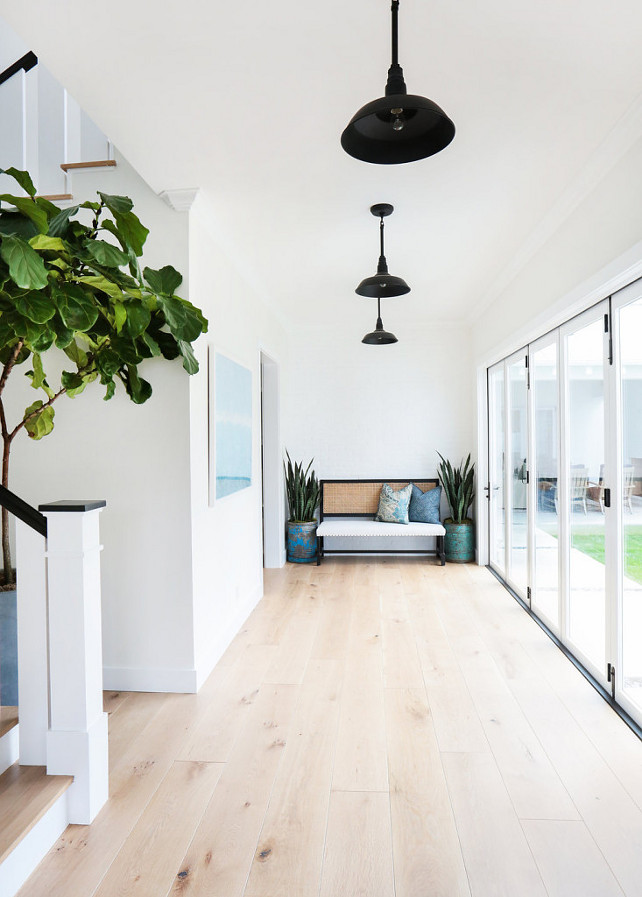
column 33, row 810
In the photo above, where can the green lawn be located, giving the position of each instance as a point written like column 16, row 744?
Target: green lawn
column 590, row 540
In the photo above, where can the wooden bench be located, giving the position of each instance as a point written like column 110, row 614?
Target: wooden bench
column 347, row 510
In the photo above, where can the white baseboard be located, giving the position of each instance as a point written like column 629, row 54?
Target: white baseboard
column 228, row 634
column 144, row 679
column 22, row 861
column 9, row 749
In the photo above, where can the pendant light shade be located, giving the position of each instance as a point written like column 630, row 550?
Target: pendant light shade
column 379, row 336
column 382, row 285
column 398, row 127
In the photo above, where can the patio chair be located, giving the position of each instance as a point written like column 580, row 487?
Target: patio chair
column 579, row 484
column 627, row 486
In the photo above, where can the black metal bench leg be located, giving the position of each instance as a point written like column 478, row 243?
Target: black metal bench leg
column 440, row 550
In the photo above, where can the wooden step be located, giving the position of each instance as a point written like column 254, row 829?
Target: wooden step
column 8, row 719
column 26, row 793
column 101, row 163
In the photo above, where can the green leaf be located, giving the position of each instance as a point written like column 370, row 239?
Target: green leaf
column 126, row 350
column 181, row 320
column 189, row 359
column 106, row 254
column 111, row 389
column 167, row 344
column 44, row 242
column 41, row 424
column 108, row 363
column 26, row 268
column 165, row 282
column 63, row 335
column 76, row 354
column 58, row 224
column 29, row 208
column 116, row 204
column 138, row 318
column 77, row 310
column 22, row 177
column 17, row 224
column 151, row 344
column 38, row 373
column 37, row 307
column 139, row 390
column 98, row 282
column 120, row 316
column 71, row 380
column 7, row 351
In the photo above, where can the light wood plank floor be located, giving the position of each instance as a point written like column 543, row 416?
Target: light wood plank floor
column 379, row 728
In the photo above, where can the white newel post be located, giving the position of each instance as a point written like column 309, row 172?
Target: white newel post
column 33, row 673
column 77, row 736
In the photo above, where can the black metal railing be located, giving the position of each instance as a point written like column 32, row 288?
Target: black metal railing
column 26, row 62
column 23, row 511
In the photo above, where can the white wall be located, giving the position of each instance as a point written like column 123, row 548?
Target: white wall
column 366, row 412
column 595, row 250
column 137, row 458
column 597, row 242
column 227, row 541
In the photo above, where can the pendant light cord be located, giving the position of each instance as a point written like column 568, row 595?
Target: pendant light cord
column 395, row 32
column 381, row 252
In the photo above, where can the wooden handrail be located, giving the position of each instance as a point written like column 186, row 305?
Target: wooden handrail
column 19, row 508
column 26, row 62
column 101, row 163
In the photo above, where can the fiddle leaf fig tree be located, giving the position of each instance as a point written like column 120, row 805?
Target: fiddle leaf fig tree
column 77, row 286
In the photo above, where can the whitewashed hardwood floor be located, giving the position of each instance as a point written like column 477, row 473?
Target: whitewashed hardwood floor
column 379, row 728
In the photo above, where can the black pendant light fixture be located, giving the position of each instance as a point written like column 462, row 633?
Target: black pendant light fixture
column 382, row 285
column 399, row 127
column 379, row 336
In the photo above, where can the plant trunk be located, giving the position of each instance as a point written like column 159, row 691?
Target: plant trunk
column 6, row 547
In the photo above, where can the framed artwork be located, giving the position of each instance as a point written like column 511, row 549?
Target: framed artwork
column 230, row 387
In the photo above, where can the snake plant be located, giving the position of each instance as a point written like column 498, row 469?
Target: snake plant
column 458, row 483
column 302, row 489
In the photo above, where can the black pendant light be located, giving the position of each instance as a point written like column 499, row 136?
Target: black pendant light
column 398, row 127
column 382, row 285
column 379, row 336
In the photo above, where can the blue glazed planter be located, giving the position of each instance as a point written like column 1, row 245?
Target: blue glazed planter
column 459, row 542
column 302, row 542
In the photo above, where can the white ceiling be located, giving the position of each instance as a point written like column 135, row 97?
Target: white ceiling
column 247, row 100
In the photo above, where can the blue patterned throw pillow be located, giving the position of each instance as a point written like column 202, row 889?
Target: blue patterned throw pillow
column 424, row 506
column 393, row 506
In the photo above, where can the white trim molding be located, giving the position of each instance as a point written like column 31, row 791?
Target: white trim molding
column 179, row 200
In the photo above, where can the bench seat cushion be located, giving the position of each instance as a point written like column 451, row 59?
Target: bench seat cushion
column 362, row 526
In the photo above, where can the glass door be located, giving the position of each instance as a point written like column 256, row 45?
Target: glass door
column 585, row 348
column 627, row 315
column 496, row 467
column 545, row 480
column 516, row 480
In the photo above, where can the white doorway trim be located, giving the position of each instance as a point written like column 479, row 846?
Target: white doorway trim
column 272, row 466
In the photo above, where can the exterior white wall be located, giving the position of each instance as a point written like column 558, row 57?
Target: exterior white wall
column 227, row 542
column 137, row 458
column 366, row 412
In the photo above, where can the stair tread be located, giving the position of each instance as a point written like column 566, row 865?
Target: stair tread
column 26, row 793
column 8, row 719
column 99, row 163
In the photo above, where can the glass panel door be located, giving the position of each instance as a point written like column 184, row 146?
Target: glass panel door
column 517, row 452
column 496, row 467
column 585, row 484
column 630, row 499
column 544, row 374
